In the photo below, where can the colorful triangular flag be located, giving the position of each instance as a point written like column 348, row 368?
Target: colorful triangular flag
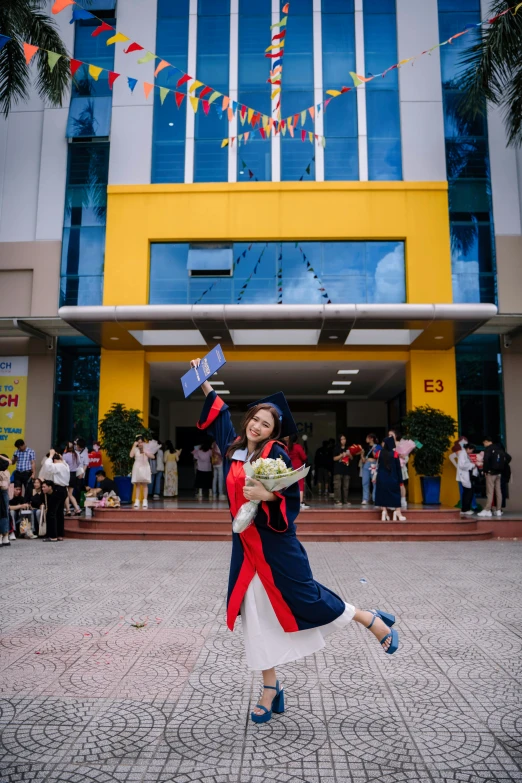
column 118, row 38
column 52, row 59
column 29, row 51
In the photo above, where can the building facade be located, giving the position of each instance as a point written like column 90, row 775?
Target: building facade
column 377, row 272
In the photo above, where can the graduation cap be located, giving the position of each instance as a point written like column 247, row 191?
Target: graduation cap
column 278, row 401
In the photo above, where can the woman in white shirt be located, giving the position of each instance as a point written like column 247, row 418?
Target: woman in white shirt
column 465, row 469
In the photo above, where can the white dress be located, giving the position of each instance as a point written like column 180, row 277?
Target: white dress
column 141, row 473
column 266, row 643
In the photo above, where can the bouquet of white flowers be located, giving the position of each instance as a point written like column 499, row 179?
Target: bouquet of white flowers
column 274, row 475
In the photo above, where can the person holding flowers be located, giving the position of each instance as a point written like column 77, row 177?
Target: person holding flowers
column 285, row 613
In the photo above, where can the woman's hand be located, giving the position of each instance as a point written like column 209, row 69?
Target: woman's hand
column 254, row 490
column 206, row 388
column 194, row 363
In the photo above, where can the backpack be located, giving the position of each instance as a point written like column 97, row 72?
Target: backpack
column 498, row 461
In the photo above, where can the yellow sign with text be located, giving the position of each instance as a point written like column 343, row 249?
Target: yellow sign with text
column 13, row 401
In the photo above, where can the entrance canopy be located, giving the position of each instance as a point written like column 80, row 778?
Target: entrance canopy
column 419, row 326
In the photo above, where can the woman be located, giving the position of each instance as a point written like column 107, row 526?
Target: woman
column 217, row 473
column 285, row 614
column 298, row 458
column 465, row 470
column 5, row 478
column 95, row 463
column 72, row 459
column 157, row 467
column 141, row 474
column 369, row 465
column 342, row 458
column 389, row 480
column 170, row 458
column 404, row 459
column 37, row 500
column 203, row 456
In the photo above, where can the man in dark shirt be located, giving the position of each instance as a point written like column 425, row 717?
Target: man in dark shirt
column 105, row 485
column 54, row 501
column 17, row 504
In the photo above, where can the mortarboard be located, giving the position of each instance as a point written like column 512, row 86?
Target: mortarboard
column 278, row 401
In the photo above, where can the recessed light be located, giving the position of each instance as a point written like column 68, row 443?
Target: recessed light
column 341, row 383
column 217, row 383
column 224, row 391
column 217, row 337
column 439, row 337
column 115, row 338
column 336, row 391
column 348, row 372
column 333, row 337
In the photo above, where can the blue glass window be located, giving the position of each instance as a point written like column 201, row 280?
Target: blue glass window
column 91, row 101
column 213, row 55
column 83, row 245
column 254, row 160
column 341, row 155
column 312, row 273
column 467, row 160
column 298, row 92
column 77, row 389
column 168, row 142
column 382, row 95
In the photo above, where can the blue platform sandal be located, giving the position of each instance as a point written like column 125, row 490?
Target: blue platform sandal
column 389, row 620
column 278, row 705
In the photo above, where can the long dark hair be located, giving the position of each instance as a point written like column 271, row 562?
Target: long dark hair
column 167, row 446
column 386, row 456
column 242, row 441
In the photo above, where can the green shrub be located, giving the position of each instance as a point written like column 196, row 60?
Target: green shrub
column 435, row 430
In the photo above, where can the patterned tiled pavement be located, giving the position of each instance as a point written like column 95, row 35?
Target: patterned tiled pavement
column 86, row 697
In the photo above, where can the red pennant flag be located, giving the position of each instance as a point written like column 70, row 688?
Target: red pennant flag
column 303, row 135
column 255, row 119
column 205, row 91
column 346, row 89
column 206, row 106
column 285, row 8
column 179, row 98
column 29, row 52
column 75, row 64
column 184, row 79
column 243, row 111
column 273, row 55
column 279, row 35
column 262, row 132
column 112, row 78
column 101, row 29
column 134, row 47
column 296, row 120
column 250, row 174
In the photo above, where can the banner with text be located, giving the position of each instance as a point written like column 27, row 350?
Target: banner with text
column 13, row 401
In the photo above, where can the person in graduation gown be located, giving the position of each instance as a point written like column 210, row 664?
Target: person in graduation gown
column 388, row 481
column 285, row 613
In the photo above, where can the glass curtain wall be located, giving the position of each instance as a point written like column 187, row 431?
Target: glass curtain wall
column 341, row 155
column 91, row 101
column 255, row 17
column 212, row 68
column 382, row 95
column 479, row 386
column 76, row 391
column 168, row 142
column 467, row 160
column 298, row 91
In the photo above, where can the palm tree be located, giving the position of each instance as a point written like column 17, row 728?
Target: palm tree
column 25, row 21
column 492, row 69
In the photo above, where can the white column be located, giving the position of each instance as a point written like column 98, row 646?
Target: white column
column 361, row 92
column 318, row 89
column 420, row 88
column 191, row 69
column 276, row 140
column 133, row 114
column 233, row 127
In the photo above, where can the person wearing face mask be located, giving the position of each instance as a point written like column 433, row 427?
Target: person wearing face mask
column 95, row 463
column 459, row 444
column 285, row 613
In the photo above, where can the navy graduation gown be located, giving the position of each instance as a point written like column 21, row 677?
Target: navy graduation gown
column 388, row 483
column 269, row 547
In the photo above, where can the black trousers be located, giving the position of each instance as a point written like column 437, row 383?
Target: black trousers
column 55, row 516
column 22, row 477
column 467, row 498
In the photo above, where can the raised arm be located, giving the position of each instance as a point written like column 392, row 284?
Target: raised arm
column 215, row 417
column 206, row 388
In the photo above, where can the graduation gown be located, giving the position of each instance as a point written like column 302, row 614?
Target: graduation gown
column 388, row 484
column 269, row 547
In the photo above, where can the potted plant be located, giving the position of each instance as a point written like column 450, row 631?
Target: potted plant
column 435, row 430
column 118, row 430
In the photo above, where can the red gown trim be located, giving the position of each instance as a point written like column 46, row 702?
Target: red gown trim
column 213, row 413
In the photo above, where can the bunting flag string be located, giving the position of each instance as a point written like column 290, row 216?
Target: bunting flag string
column 311, row 270
column 252, row 273
column 205, row 293
column 243, row 255
column 279, row 275
column 276, row 72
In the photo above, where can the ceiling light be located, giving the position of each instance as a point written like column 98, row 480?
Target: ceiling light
column 115, row 338
column 333, row 337
column 218, row 383
column 217, row 337
column 336, row 391
column 439, row 337
column 341, row 383
column 224, row 391
column 348, row 372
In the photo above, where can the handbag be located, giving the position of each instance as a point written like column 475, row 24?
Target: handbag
column 25, row 522
column 42, row 526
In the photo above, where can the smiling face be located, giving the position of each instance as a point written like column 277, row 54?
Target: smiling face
column 342, row 441
column 260, row 425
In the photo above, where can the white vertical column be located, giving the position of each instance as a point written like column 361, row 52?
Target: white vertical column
column 233, row 151
column 318, row 89
column 361, row 92
column 276, row 139
column 191, row 69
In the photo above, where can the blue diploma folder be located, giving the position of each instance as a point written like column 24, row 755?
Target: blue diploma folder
column 195, row 377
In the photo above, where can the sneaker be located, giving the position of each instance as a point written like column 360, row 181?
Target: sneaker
column 469, row 513
column 485, row 513
column 30, row 535
column 347, row 504
column 222, row 497
column 499, row 513
column 338, row 503
column 5, row 540
column 364, row 503
column 145, row 504
column 155, row 497
column 12, row 537
column 304, row 506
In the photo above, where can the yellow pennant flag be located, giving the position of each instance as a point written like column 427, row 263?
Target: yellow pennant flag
column 224, row 143
column 275, row 92
column 333, row 93
column 163, row 91
column 95, row 71
column 250, row 114
column 118, row 38
column 214, row 95
column 516, row 9
column 240, row 138
column 146, row 58
column 311, row 137
column 194, row 86
column 403, row 62
column 195, row 103
column 303, row 117
column 323, row 141
column 52, row 59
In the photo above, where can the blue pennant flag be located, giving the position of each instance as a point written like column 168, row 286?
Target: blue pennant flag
column 234, row 106
column 244, row 253
column 219, row 110
column 277, row 62
column 3, row 40
column 132, row 83
column 80, row 13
